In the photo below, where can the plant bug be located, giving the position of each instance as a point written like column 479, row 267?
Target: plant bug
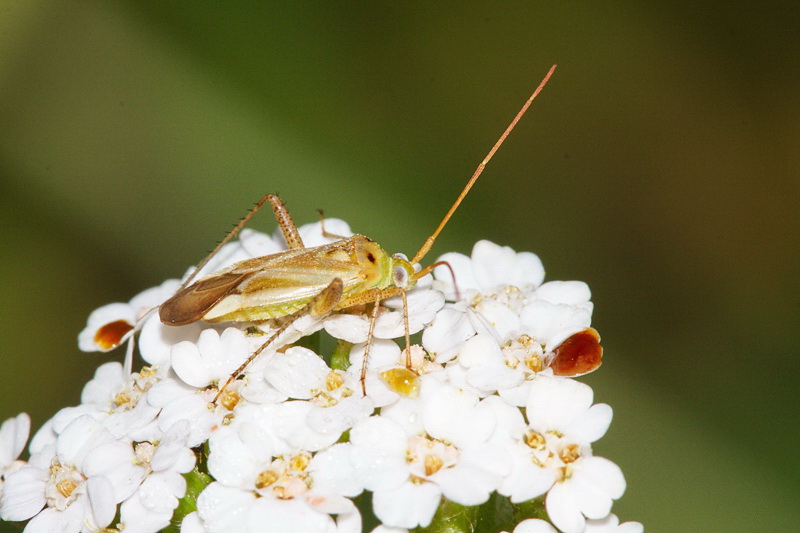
column 316, row 281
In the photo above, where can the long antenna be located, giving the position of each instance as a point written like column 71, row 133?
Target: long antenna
column 429, row 242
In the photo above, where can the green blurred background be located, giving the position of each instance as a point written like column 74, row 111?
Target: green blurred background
column 660, row 165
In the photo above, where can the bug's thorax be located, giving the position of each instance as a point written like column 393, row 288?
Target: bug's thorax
column 377, row 269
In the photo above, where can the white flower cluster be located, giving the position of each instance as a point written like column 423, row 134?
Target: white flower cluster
column 480, row 408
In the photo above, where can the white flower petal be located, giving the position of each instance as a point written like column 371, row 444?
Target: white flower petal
column 492, row 264
column 563, row 510
column 224, row 509
column 290, row 423
column 349, row 522
column 550, row 324
column 157, row 339
column 297, row 372
column 348, row 327
column 526, row 480
column 312, row 233
column 630, row 527
column 334, row 472
column 554, row 403
column 234, row 463
column 591, row 425
column 605, row 475
column 194, row 409
column 564, row 292
column 115, row 461
column 479, row 351
column 287, row 516
column 23, row 494
column 186, row 360
column 192, row 523
column 340, row 417
column 214, row 357
column 496, row 319
column 447, row 332
column 136, row 518
column 527, row 271
column 467, row 484
column 101, row 499
column 457, row 417
column 79, row 438
column 109, row 379
column 462, row 275
column 534, row 525
column 593, row 502
column 13, row 436
column 108, row 314
column 153, row 297
column 160, row 492
column 379, row 457
column 384, row 529
column 51, row 519
column 423, row 304
column 409, row 505
column 257, row 244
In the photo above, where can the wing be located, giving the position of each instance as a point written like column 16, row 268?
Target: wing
column 267, row 287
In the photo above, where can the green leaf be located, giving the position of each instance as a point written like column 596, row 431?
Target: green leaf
column 196, row 481
column 312, row 342
column 451, row 517
column 499, row 514
column 340, row 358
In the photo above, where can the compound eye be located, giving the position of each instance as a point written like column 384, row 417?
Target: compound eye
column 400, row 277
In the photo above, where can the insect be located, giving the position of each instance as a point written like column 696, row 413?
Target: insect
column 315, row 281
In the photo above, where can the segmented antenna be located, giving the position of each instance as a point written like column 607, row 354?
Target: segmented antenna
column 429, row 242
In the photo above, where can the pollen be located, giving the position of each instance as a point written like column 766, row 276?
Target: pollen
column 229, row 399
column 122, row 398
column 427, row 456
column 333, row 380
column 265, row 479
column 143, row 453
column 66, row 487
column 300, row 462
column 570, row 453
column 433, row 463
column 402, row 381
column 323, row 399
column 534, row 440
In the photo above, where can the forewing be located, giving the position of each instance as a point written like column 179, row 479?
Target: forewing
column 288, row 282
column 191, row 303
column 264, row 287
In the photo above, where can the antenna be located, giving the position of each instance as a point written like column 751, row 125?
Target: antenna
column 429, row 242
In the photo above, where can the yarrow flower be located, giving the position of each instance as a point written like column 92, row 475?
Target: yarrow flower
column 276, row 425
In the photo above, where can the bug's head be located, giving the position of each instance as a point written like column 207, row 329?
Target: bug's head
column 402, row 272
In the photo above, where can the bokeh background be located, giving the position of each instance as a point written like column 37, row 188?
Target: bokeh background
column 660, row 165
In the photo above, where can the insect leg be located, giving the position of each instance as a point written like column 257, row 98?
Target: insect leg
column 285, row 222
column 236, row 229
column 322, row 226
column 376, row 296
column 322, row 303
column 374, row 317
